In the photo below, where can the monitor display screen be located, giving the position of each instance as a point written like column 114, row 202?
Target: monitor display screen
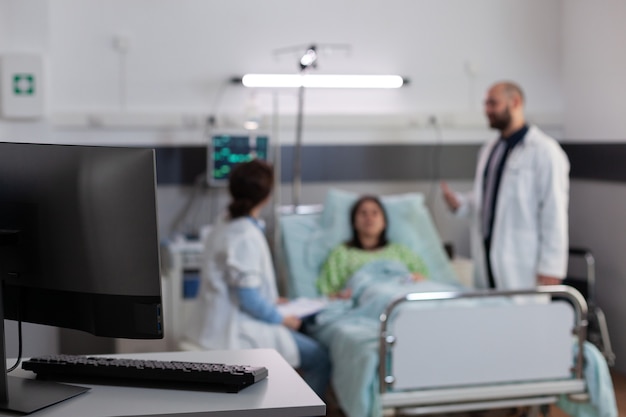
column 79, row 245
column 228, row 150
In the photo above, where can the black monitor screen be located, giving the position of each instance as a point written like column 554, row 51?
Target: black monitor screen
column 78, row 238
column 229, row 150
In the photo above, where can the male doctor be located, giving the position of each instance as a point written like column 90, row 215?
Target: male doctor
column 519, row 204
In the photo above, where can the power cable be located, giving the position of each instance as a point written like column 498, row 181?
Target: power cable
column 19, row 347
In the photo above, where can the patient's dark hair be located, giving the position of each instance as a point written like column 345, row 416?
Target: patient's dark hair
column 249, row 184
column 355, row 242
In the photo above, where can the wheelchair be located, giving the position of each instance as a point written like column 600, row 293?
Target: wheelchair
column 584, row 281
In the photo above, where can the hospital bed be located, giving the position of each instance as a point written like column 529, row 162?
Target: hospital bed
column 438, row 351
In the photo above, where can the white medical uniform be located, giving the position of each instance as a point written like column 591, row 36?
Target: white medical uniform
column 237, row 255
column 530, row 230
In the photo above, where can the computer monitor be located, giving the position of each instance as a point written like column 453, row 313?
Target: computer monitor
column 79, row 245
column 227, row 150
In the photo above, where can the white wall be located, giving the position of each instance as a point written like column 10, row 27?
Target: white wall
column 594, row 74
column 24, row 26
column 597, row 223
column 182, row 51
column 594, row 70
column 4, row 23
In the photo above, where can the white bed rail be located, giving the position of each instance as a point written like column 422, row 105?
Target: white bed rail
column 483, row 390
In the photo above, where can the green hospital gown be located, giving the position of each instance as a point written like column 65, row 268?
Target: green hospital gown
column 344, row 261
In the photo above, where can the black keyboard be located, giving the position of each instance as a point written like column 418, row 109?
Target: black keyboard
column 142, row 372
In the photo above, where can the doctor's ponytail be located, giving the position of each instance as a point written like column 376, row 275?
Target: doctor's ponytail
column 249, row 184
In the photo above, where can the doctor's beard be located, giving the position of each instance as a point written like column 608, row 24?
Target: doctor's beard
column 500, row 121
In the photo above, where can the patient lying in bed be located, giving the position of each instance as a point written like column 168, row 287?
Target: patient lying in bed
column 368, row 243
column 350, row 328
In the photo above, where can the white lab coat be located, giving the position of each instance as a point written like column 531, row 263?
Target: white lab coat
column 237, row 255
column 530, row 230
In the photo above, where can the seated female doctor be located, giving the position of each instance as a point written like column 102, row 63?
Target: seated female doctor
column 238, row 294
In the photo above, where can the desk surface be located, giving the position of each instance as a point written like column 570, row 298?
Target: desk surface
column 282, row 393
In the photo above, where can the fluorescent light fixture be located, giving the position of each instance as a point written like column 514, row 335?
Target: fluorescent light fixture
column 322, row 81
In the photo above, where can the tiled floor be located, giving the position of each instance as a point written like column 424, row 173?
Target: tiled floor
column 619, row 383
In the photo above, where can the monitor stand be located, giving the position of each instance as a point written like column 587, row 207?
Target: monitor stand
column 27, row 395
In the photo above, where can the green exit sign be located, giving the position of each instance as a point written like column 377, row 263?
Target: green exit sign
column 23, row 84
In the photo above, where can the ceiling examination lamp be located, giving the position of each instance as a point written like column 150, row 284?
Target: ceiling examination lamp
column 309, row 59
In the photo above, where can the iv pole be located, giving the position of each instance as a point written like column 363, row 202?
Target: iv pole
column 297, row 153
column 308, row 60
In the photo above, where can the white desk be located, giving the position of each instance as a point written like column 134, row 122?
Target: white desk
column 282, row 393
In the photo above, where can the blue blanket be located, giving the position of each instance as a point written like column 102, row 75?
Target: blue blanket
column 599, row 386
column 350, row 329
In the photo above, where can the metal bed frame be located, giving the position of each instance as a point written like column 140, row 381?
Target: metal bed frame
column 598, row 331
column 471, row 398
